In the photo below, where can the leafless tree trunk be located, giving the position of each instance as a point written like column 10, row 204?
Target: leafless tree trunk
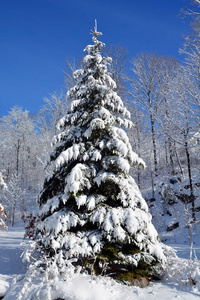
column 145, row 91
column 190, row 179
column 154, row 145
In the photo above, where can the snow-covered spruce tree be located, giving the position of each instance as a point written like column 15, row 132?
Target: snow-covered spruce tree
column 91, row 209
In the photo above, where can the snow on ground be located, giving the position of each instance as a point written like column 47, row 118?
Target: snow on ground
column 10, row 252
column 183, row 251
column 85, row 287
column 77, row 286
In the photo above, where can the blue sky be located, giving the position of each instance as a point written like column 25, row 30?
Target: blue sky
column 37, row 36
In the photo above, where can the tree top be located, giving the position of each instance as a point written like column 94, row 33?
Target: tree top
column 95, row 33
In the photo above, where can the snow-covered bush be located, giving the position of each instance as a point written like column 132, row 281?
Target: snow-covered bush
column 185, row 272
column 3, row 185
column 195, row 275
column 3, row 217
column 29, row 225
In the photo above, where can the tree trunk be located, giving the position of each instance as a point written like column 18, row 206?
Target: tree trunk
column 178, row 161
column 152, row 185
column 190, row 180
column 166, row 155
column 13, row 215
column 139, row 141
column 171, row 158
column 17, row 160
column 154, row 144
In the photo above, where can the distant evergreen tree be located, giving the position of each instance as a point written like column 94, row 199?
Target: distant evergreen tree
column 91, row 209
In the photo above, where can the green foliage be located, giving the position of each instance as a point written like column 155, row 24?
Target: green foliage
column 110, row 261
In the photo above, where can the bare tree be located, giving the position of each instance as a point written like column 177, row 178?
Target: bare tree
column 72, row 66
column 191, row 50
column 14, row 197
column 118, row 67
column 55, row 106
column 145, row 90
column 179, row 122
column 18, row 130
column 169, row 67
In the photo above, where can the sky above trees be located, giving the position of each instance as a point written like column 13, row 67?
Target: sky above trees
column 37, row 36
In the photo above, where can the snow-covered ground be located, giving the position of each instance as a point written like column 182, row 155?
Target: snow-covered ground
column 10, row 252
column 83, row 287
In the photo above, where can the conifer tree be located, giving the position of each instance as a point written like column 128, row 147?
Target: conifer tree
column 91, row 210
